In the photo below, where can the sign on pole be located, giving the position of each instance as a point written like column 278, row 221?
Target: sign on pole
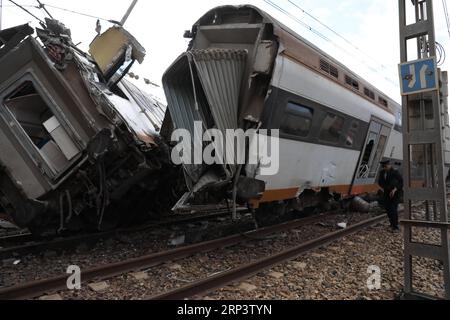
column 419, row 76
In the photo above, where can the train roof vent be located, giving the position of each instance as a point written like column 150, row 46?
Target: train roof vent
column 325, row 66
column 328, row 68
column 383, row 101
column 352, row 82
column 369, row 93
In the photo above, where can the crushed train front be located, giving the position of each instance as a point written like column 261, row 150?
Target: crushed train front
column 79, row 144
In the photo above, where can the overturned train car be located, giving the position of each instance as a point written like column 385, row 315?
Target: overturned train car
column 244, row 69
column 79, row 145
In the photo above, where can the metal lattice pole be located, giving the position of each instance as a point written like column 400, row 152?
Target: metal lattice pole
column 420, row 96
column 1, row 14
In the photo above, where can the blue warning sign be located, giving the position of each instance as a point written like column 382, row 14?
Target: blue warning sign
column 419, row 76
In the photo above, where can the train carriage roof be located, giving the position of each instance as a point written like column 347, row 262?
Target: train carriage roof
column 289, row 40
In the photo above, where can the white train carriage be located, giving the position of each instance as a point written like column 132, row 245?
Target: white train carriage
column 335, row 127
column 332, row 134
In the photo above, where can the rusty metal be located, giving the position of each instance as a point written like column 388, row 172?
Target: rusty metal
column 38, row 288
column 225, row 278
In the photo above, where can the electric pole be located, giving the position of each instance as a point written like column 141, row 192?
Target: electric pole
column 1, row 11
column 424, row 142
column 127, row 14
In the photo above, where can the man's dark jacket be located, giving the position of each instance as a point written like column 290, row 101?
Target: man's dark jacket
column 388, row 182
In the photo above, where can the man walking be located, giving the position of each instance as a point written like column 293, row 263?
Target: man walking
column 391, row 181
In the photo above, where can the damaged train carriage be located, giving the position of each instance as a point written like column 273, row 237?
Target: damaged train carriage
column 76, row 139
column 244, row 69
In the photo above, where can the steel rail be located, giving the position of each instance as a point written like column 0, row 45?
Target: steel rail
column 41, row 287
column 16, row 238
column 220, row 280
column 65, row 243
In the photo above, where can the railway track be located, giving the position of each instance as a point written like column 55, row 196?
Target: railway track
column 206, row 285
column 47, row 286
column 11, row 240
column 221, row 280
column 26, row 243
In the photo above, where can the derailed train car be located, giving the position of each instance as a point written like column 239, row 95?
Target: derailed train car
column 244, row 69
column 79, row 145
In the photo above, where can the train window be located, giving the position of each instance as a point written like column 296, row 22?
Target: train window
column 41, row 126
column 352, row 82
column 383, row 101
column 332, row 128
column 31, row 112
column 378, row 157
column 369, row 93
column 352, row 135
column 297, row 120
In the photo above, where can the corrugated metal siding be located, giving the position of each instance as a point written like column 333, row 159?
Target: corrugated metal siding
column 221, row 72
column 204, row 85
column 181, row 99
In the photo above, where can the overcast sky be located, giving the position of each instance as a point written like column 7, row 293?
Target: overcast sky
column 371, row 26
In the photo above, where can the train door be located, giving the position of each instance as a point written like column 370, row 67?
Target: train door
column 372, row 154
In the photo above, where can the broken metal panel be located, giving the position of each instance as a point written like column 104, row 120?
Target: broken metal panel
column 28, row 63
column 235, row 36
column 265, row 56
column 153, row 109
column 109, row 48
column 204, row 85
column 12, row 37
column 134, row 118
column 223, row 75
column 74, row 143
column 187, row 104
column 80, row 101
column 62, row 139
column 26, row 122
column 6, row 35
column 13, row 158
column 220, row 72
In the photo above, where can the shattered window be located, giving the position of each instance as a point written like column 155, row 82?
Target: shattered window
column 41, row 126
column 31, row 112
column 352, row 135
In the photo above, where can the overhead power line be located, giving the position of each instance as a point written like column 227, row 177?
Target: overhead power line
column 322, row 36
column 337, row 34
column 27, row 11
column 447, row 17
column 77, row 12
column 42, row 6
